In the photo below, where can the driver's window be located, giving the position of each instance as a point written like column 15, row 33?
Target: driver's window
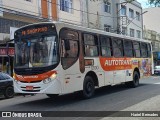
column 69, row 48
column 72, row 52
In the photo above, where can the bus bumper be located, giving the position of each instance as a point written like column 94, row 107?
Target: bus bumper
column 53, row 87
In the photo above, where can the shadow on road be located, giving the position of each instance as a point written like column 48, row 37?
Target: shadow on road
column 76, row 98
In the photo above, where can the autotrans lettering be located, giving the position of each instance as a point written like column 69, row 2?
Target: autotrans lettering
column 35, row 30
column 117, row 62
column 109, row 64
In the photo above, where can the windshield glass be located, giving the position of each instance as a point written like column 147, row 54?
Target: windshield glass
column 36, row 52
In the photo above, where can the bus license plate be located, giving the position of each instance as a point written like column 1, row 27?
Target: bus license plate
column 29, row 87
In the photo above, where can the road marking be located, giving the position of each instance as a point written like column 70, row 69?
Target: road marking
column 157, row 83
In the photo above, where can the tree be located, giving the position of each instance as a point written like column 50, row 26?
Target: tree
column 156, row 3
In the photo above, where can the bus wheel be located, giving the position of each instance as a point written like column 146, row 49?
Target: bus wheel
column 135, row 81
column 9, row 92
column 88, row 87
column 52, row 95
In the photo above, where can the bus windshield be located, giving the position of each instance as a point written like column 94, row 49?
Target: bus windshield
column 38, row 51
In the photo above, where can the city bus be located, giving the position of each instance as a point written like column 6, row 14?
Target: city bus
column 56, row 58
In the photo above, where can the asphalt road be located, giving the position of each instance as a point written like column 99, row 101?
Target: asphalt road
column 146, row 97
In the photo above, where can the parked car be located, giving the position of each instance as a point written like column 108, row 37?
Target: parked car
column 6, row 85
column 157, row 70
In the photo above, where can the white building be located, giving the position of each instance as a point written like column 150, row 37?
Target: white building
column 101, row 14
column 71, row 11
column 131, row 18
column 118, row 16
column 16, row 13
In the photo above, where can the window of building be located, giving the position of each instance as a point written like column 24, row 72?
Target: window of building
column 107, row 7
column 124, row 31
column 138, row 16
column 138, row 34
column 136, row 47
column 5, row 25
column 128, row 48
column 107, row 28
column 123, row 10
column 66, row 5
column 131, row 13
column 90, row 45
column 105, row 46
column 117, row 47
column 131, row 32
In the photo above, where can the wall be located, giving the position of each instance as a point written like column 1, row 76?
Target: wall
column 132, row 22
column 22, row 6
column 74, row 17
column 97, row 17
column 152, row 18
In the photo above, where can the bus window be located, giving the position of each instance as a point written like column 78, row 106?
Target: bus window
column 136, row 48
column 128, row 48
column 91, row 48
column 69, row 48
column 105, row 46
column 117, row 47
column 149, row 50
column 144, row 49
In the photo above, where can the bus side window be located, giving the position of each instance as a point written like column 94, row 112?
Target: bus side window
column 136, row 47
column 144, row 49
column 105, row 43
column 128, row 48
column 117, row 47
column 90, row 45
column 149, row 50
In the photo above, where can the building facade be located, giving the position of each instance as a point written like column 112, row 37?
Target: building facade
column 70, row 11
column 130, row 18
column 14, row 14
column 17, row 13
column 118, row 16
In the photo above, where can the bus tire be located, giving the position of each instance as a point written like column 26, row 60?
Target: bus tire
column 52, row 96
column 88, row 87
column 135, row 82
column 9, row 92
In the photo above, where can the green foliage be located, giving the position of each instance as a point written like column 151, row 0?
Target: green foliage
column 156, row 3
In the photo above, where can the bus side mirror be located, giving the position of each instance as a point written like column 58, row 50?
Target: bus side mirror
column 67, row 44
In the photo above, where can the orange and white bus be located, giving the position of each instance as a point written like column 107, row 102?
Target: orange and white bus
column 56, row 58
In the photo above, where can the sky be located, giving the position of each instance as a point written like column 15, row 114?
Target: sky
column 144, row 3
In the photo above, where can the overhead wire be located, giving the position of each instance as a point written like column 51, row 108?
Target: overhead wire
column 39, row 15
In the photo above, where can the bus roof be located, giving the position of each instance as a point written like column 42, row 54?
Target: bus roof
column 91, row 30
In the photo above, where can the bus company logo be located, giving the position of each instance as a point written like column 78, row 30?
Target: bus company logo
column 117, row 62
column 34, row 76
column 20, row 77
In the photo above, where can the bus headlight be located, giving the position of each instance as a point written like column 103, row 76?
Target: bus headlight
column 51, row 78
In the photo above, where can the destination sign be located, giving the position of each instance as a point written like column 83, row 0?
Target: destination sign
column 34, row 30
